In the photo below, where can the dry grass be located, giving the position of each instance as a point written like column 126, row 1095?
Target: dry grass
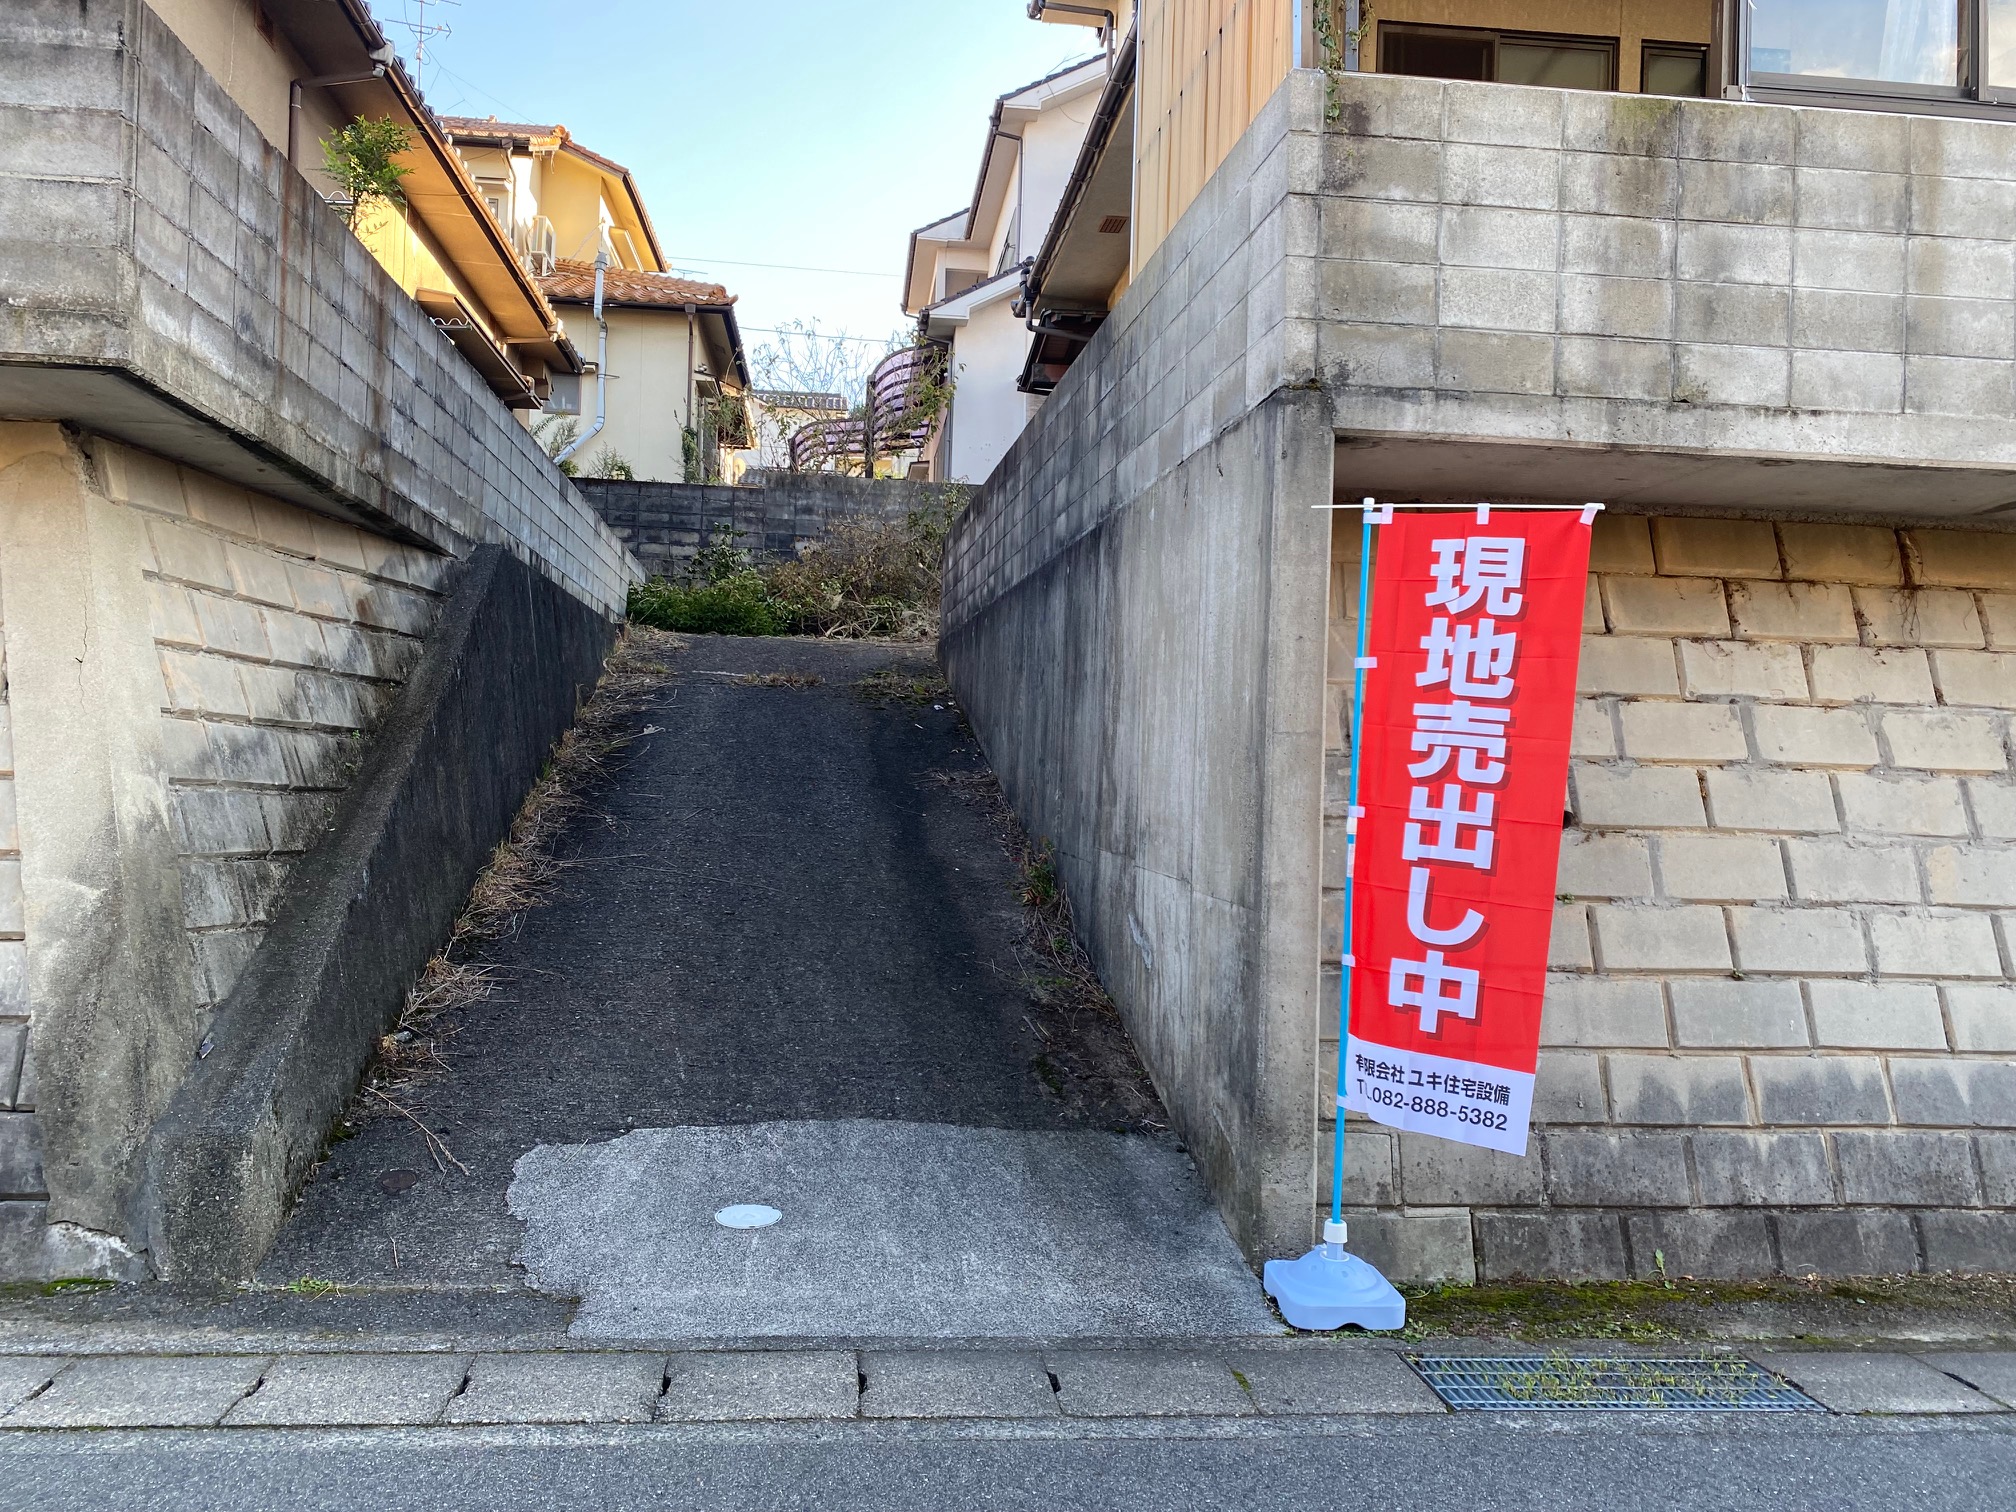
column 907, row 682
column 778, row 680
column 521, row 874
column 1088, row 1057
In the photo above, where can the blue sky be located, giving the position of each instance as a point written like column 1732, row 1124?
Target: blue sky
column 809, row 132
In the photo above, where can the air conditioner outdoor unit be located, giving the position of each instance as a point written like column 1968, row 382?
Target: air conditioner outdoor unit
column 541, row 246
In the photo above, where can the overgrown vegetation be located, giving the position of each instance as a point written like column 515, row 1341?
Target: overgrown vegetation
column 864, row 579
column 555, row 433
column 362, row 159
column 610, row 463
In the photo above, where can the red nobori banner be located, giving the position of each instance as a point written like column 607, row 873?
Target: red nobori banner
column 1469, row 699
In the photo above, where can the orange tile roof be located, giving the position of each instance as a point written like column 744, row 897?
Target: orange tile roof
column 492, row 129
column 573, row 282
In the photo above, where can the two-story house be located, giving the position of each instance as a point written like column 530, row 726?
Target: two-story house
column 676, row 370
column 1744, row 272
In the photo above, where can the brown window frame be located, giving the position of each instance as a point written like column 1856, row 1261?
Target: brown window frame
column 1650, row 46
column 1496, row 36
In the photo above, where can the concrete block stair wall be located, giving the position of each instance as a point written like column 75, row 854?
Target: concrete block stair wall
column 1781, row 1020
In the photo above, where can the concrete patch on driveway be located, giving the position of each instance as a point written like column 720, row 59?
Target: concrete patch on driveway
column 1850, row 1382
column 890, row 1230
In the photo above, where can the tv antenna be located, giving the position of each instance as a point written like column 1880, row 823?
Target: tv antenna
column 422, row 29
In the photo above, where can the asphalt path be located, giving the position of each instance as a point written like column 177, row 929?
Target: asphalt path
column 1515, row 1464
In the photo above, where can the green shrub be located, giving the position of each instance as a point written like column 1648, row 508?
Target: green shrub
column 736, row 605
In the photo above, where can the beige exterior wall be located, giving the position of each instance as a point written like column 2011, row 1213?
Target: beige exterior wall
column 189, row 669
column 1780, row 1025
column 649, row 389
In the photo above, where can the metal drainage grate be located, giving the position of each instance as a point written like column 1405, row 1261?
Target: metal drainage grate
column 1559, row 1383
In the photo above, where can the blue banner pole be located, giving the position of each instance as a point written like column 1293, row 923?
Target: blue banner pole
column 1328, row 1287
column 1351, row 817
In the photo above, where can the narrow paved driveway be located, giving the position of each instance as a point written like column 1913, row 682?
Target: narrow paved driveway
column 783, row 969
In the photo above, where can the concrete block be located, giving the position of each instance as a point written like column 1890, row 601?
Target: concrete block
column 21, row 1178
column 1481, row 236
column 1959, row 207
column 1146, row 1383
column 1330, row 1382
column 1497, row 362
column 1994, row 805
column 1721, row 868
column 13, row 1044
column 1620, row 184
column 203, row 684
column 1722, row 1012
column 1743, row 669
column 1840, row 871
column 1846, row 320
column 1546, row 1246
column 743, row 1385
column 1936, row 740
column 1441, row 1173
column 1986, row 679
column 1903, row 1168
column 124, row 1391
column 1954, row 1094
column 1955, row 265
column 1724, row 373
column 1841, row 553
column 1853, row 200
column 560, row 1388
column 1810, row 1089
column 1902, row 805
column 1568, row 1089
column 1424, row 1247
column 1684, row 938
column 1995, row 1154
column 1604, row 866
column 1744, row 193
column 1515, row 176
column 1864, row 1243
column 1807, row 737
column 1592, row 736
column 1609, row 368
column 1639, row 308
column 1382, row 169
column 1992, row 1373
column 189, row 555
column 1944, row 617
column 1711, row 253
column 1808, row 612
column 1628, row 665
column 1682, row 732
column 1382, row 356
column 1872, row 263
column 1960, row 327
column 1983, row 1018
column 173, row 614
column 1666, row 606
column 1971, row 877
column 1677, row 1089
column 1877, row 1016
column 1376, row 292
column 1732, row 315
column 1962, row 558
column 219, row 822
column 1998, row 617
column 1760, row 798
column 1967, row 386
column 1700, row 1244
column 1633, row 797
column 1934, row 944
column 1568, row 940
column 1622, row 1013
column 1378, row 232
column 1621, row 543
column 363, row 1390
column 1744, row 1169
column 1885, row 1383
column 1968, row 1243
column 1588, row 1169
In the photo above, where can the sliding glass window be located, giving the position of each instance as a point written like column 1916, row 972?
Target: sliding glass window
column 1907, row 49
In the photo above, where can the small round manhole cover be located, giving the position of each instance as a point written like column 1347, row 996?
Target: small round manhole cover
column 397, row 1181
column 747, row 1215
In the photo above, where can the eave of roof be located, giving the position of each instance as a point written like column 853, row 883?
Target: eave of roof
column 488, row 133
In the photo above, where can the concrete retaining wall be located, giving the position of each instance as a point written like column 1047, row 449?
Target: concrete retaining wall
column 772, row 514
column 498, row 683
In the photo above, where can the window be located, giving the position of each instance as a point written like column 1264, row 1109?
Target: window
column 1914, row 43
column 565, row 398
column 1447, row 52
column 1674, row 68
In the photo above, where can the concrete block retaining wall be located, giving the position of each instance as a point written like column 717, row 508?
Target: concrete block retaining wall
column 772, row 513
column 1780, row 1025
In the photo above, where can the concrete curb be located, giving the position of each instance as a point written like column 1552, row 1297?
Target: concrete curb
column 1002, row 1383
column 498, row 683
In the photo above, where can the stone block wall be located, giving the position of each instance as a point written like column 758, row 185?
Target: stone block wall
column 193, row 673
column 772, row 513
column 1780, row 1031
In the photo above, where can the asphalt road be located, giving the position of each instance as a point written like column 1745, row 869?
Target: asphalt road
column 1615, row 1465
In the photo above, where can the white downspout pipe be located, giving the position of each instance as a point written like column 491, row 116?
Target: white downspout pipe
column 601, row 366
